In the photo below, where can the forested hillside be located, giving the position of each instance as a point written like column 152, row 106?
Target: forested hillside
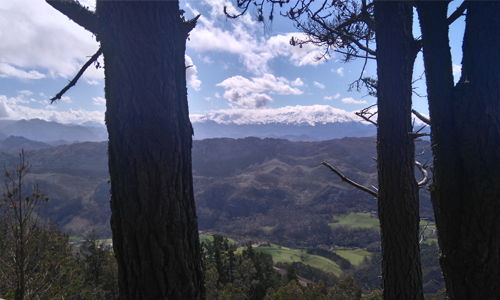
column 265, row 189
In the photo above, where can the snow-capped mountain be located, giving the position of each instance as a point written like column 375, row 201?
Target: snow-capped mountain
column 315, row 122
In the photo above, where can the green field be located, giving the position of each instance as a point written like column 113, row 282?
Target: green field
column 355, row 256
column 356, row 220
column 206, row 238
column 287, row 255
column 368, row 221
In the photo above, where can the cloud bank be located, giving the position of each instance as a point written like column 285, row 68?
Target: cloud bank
column 38, row 41
column 253, row 92
column 255, row 51
column 310, row 115
column 15, row 108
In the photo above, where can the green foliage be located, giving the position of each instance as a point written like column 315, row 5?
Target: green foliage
column 373, row 295
column 229, row 275
column 36, row 259
column 294, row 290
column 432, row 276
column 33, row 255
column 99, row 270
column 347, row 289
column 291, row 274
column 369, row 272
column 311, row 274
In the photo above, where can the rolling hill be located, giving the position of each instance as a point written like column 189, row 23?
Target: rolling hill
column 254, row 188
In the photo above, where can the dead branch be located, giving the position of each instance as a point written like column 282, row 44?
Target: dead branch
column 425, row 174
column 350, row 181
column 421, row 117
column 422, row 232
column 77, row 76
column 367, row 115
column 77, row 13
column 419, row 133
column 457, row 13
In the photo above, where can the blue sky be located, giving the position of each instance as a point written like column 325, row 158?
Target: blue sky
column 237, row 65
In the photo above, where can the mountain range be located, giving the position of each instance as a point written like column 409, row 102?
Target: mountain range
column 251, row 187
column 52, row 132
column 323, row 124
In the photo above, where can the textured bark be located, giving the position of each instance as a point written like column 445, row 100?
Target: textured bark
column 466, row 146
column 155, row 234
column 398, row 192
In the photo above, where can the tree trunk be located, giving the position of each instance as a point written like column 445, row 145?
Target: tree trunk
column 398, row 192
column 466, row 145
column 155, row 233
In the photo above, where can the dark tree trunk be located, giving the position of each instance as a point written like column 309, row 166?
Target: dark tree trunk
column 155, row 233
column 466, row 145
column 398, row 192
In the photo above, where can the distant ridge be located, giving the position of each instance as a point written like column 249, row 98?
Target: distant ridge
column 16, row 143
column 295, row 123
column 49, row 132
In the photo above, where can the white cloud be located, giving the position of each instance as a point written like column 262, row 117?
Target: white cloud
column 311, row 114
column 66, row 99
column 308, row 54
column 99, row 101
column 206, row 59
column 340, row 71
column 216, row 8
column 334, row 97
column 42, row 42
column 92, row 81
column 297, row 82
column 350, row 100
column 253, row 92
column 241, row 38
column 10, row 108
column 26, row 93
column 457, row 69
column 319, row 85
column 192, row 74
column 7, row 70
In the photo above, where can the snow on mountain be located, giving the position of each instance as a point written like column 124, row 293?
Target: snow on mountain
column 292, row 115
column 299, row 123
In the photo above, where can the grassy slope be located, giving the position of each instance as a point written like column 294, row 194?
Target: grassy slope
column 367, row 221
column 287, row 255
column 356, row 220
column 354, row 256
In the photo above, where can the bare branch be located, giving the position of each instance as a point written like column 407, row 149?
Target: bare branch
column 425, row 174
column 351, row 182
column 77, row 76
column 422, row 232
column 457, row 13
column 367, row 115
column 421, row 117
column 77, row 13
column 416, row 135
